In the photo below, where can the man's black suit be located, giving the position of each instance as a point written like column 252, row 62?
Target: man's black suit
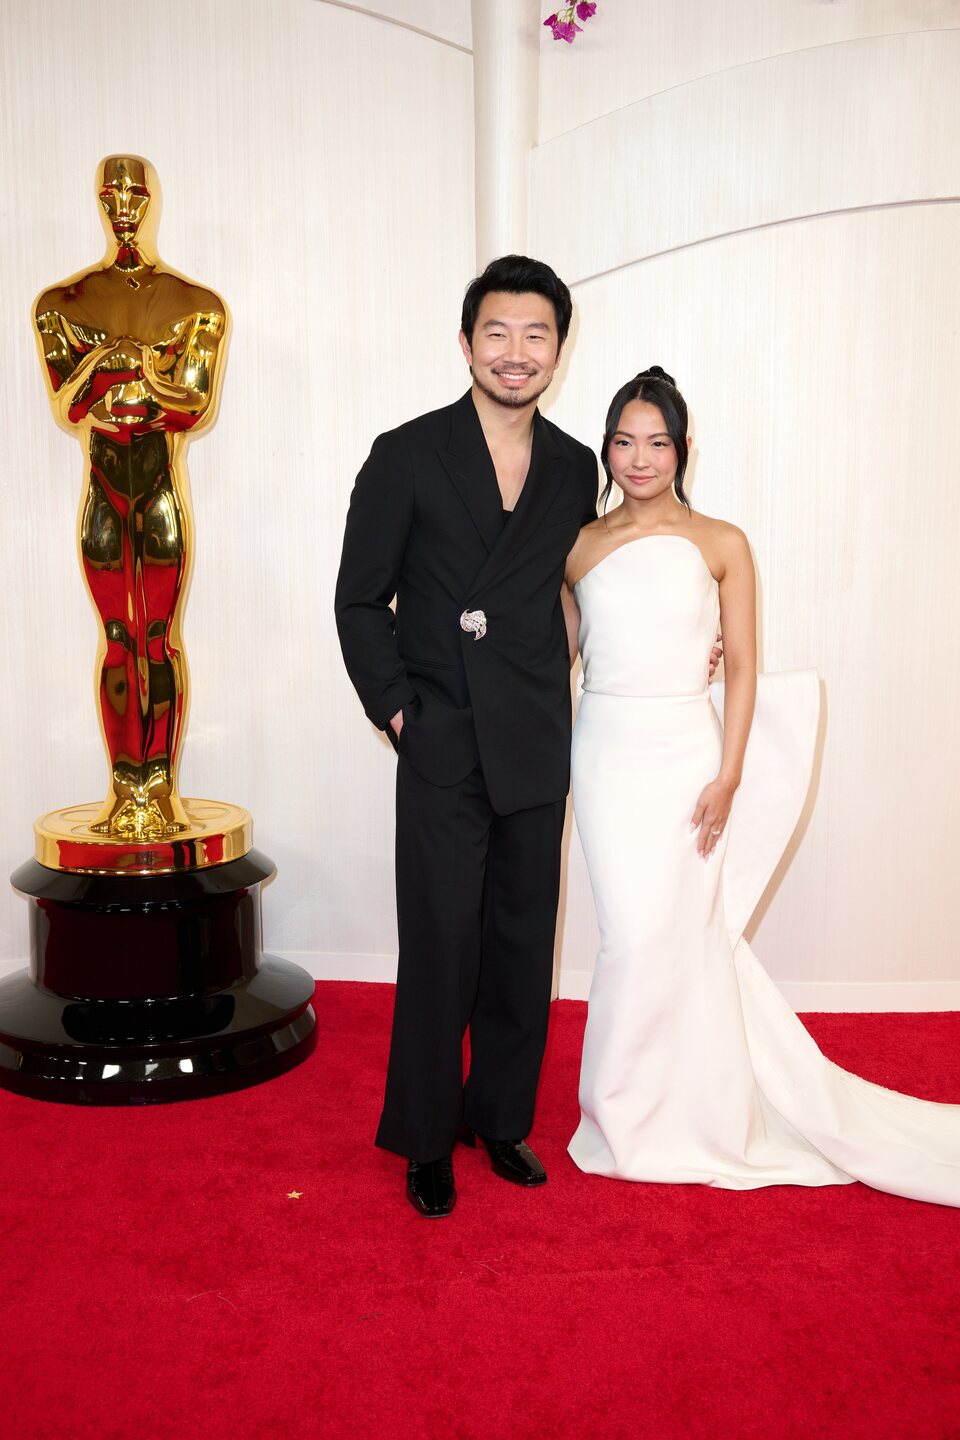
column 484, row 753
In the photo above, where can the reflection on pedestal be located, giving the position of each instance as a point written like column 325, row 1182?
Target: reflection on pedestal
column 149, row 987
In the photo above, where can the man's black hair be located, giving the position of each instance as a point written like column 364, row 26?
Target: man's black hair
column 517, row 275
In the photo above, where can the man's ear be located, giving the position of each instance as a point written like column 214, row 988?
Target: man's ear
column 465, row 347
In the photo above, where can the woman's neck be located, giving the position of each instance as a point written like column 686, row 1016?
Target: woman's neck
column 663, row 511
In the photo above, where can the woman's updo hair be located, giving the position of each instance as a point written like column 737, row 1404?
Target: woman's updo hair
column 658, row 388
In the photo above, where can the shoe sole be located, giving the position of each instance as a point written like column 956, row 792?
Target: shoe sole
column 528, row 1184
column 431, row 1214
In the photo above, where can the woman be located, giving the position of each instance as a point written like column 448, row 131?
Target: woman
column 694, row 1067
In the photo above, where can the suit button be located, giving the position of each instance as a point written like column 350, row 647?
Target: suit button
column 475, row 622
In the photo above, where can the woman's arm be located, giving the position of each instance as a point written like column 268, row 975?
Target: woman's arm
column 738, row 620
column 571, row 618
column 571, row 610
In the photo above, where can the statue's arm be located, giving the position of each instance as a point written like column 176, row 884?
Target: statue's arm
column 72, row 356
column 182, row 374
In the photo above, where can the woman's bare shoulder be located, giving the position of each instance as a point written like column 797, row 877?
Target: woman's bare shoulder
column 722, row 537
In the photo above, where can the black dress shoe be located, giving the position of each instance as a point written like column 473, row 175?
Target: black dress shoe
column 511, row 1159
column 430, row 1187
column 514, row 1160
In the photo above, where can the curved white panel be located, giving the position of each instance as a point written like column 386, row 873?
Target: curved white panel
column 820, row 361
column 633, row 50
column 447, row 20
column 870, row 122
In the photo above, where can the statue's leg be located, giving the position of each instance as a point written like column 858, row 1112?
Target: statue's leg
column 158, row 536
column 134, row 562
column 107, row 571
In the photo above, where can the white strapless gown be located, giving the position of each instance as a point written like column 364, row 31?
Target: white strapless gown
column 695, row 1069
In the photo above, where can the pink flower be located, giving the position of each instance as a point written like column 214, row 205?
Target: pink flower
column 562, row 23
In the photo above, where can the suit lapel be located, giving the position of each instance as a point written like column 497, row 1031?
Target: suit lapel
column 547, row 471
column 467, row 462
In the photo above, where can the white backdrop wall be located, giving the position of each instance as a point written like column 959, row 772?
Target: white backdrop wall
column 317, row 172
column 646, row 47
column 766, row 204
column 733, row 193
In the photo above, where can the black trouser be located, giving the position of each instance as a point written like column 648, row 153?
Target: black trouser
column 477, row 900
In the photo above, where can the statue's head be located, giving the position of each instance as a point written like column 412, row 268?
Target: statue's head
column 129, row 195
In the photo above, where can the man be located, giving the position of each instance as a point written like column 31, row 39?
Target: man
column 466, row 516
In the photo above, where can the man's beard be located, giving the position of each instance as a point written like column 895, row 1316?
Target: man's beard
column 512, row 399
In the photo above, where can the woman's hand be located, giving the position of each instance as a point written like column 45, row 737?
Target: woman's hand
column 712, row 813
column 716, row 655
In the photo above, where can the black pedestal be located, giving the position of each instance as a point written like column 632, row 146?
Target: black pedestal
column 149, row 987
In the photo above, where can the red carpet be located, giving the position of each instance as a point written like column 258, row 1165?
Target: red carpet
column 159, row 1283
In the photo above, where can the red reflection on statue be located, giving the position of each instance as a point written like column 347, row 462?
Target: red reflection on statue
column 131, row 351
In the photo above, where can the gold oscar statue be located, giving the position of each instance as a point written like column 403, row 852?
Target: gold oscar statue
column 133, row 356
column 147, row 979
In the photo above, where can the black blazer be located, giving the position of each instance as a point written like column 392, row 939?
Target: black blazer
column 426, row 525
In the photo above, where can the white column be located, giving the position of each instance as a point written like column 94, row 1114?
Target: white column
column 506, row 41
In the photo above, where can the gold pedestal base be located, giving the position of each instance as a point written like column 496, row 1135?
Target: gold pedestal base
column 217, row 833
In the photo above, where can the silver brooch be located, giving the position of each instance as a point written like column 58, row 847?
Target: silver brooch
column 475, row 621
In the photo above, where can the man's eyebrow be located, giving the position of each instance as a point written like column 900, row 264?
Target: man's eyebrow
column 533, row 325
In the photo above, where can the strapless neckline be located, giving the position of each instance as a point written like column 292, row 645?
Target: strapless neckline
column 643, row 539
column 648, row 622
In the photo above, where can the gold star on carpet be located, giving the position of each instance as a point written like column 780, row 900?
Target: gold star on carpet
column 294, row 1194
